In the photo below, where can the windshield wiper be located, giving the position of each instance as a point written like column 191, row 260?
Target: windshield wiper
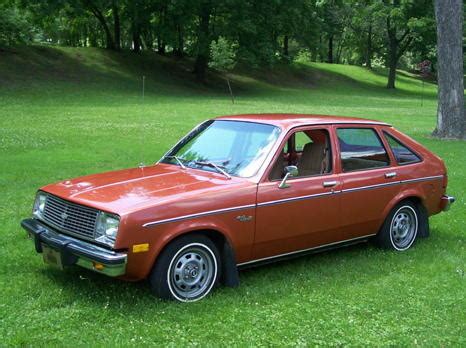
column 213, row 165
column 178, row 159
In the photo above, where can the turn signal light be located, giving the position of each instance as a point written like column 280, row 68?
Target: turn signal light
column 98, row 266
column 139, row 248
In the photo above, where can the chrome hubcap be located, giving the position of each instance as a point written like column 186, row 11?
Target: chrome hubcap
column 404, row 227
column 192, row 272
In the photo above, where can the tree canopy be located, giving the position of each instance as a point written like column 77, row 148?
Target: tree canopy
column 391, row 33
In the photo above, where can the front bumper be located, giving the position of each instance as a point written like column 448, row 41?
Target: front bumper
column 447, row 201
column 76, row 252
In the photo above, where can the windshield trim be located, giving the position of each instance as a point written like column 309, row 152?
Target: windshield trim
column 202, row 126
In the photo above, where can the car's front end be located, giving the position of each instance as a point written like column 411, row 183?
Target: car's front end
column 68, row 233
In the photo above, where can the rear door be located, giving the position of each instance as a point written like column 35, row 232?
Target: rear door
column 369, row 180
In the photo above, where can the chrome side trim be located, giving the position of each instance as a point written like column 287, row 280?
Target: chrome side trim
column 368, row 187
column 305, row 250
column 190, row 216
column 286, row 200
column 426, row 178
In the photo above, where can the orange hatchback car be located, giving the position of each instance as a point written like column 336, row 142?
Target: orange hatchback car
column 238, row 191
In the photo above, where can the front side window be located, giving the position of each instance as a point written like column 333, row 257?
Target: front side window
column 234, row 147
column 402, row 154
column 308, row 150
column 361, row 148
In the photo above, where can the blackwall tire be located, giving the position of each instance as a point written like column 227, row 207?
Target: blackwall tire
column 187, row 269
column 401, row 227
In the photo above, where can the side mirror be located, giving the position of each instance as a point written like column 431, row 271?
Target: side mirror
column 290, row 171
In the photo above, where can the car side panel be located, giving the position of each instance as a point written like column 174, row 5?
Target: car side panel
column 364, row 196
column 222, row 212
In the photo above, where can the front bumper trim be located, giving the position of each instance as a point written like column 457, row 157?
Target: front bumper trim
column 74, row 251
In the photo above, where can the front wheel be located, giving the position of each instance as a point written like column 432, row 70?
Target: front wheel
column 186, row 270
column 401, row 227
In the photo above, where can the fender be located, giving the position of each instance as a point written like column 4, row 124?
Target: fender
column 402, row 195
column 229, row 272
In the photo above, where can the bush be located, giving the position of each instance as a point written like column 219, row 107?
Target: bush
column 223, row 55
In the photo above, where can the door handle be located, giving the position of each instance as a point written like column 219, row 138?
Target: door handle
column 329, row 183
column 390, row 175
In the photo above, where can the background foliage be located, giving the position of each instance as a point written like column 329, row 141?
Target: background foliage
column 363, row 32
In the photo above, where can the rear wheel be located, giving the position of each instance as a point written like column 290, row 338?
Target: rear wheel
column 186, row 270
column 401, row 227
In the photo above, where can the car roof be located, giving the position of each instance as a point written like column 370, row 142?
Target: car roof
column 288, row 121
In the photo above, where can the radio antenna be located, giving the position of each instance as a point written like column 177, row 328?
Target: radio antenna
column 141, row 165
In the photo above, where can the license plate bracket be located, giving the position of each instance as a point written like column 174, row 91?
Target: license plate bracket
column 52, row 257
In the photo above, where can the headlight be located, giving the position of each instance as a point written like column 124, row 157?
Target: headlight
column 107, row 228
column 39, row 205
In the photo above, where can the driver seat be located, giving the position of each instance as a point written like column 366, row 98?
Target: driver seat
column 313, row 160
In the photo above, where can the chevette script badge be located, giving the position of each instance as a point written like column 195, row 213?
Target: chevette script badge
column 244, row 218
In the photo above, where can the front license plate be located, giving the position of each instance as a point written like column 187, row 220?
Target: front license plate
column 52, row 256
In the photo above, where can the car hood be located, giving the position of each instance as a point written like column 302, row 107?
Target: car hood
column 128, row 190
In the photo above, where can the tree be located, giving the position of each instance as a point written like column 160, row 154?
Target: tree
column 116, row 24
column 451, row 120
column 14, row 25
column 332, row 23
column 366, row 26
column 93, row 7
column 405, row 21
column 203, row 39
column 223, row 54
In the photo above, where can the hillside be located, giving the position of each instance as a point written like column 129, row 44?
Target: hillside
column 58, row 67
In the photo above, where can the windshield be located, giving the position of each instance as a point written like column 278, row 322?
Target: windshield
column 234, row 147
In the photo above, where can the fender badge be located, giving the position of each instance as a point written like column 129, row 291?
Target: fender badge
column 244, row 218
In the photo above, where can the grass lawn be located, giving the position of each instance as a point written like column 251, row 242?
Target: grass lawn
column 70, row 112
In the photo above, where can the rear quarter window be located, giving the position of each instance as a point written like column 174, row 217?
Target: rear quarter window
column 361, row 148
column 401, row 152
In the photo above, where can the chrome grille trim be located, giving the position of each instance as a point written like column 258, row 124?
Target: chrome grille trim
column 70, row 218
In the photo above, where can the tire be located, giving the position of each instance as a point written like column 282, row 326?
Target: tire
column 186, row 270
column 401, row 227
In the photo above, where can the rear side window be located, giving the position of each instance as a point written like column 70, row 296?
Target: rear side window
column 402, row 153
column 361, row 148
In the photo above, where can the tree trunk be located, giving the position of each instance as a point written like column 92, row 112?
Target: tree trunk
column 179, row 51
column 110, row 44
column 160, row 46
column 369, row 47
column 116, row 25
column 135, row 29
column 285, row 46
column 392, row 60
column 451, row 120
column 136, row 40
column 203, row 50
column 330, row 49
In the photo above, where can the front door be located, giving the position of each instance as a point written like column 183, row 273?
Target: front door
column 305, row 214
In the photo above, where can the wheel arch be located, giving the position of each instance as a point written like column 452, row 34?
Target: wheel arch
column 229, row 270
column 416, row 198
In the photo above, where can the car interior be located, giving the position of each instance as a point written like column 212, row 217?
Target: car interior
column 308, row 150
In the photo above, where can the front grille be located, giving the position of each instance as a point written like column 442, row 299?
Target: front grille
column 70, row 217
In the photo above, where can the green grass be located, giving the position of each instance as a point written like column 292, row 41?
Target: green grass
column 69, row 112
